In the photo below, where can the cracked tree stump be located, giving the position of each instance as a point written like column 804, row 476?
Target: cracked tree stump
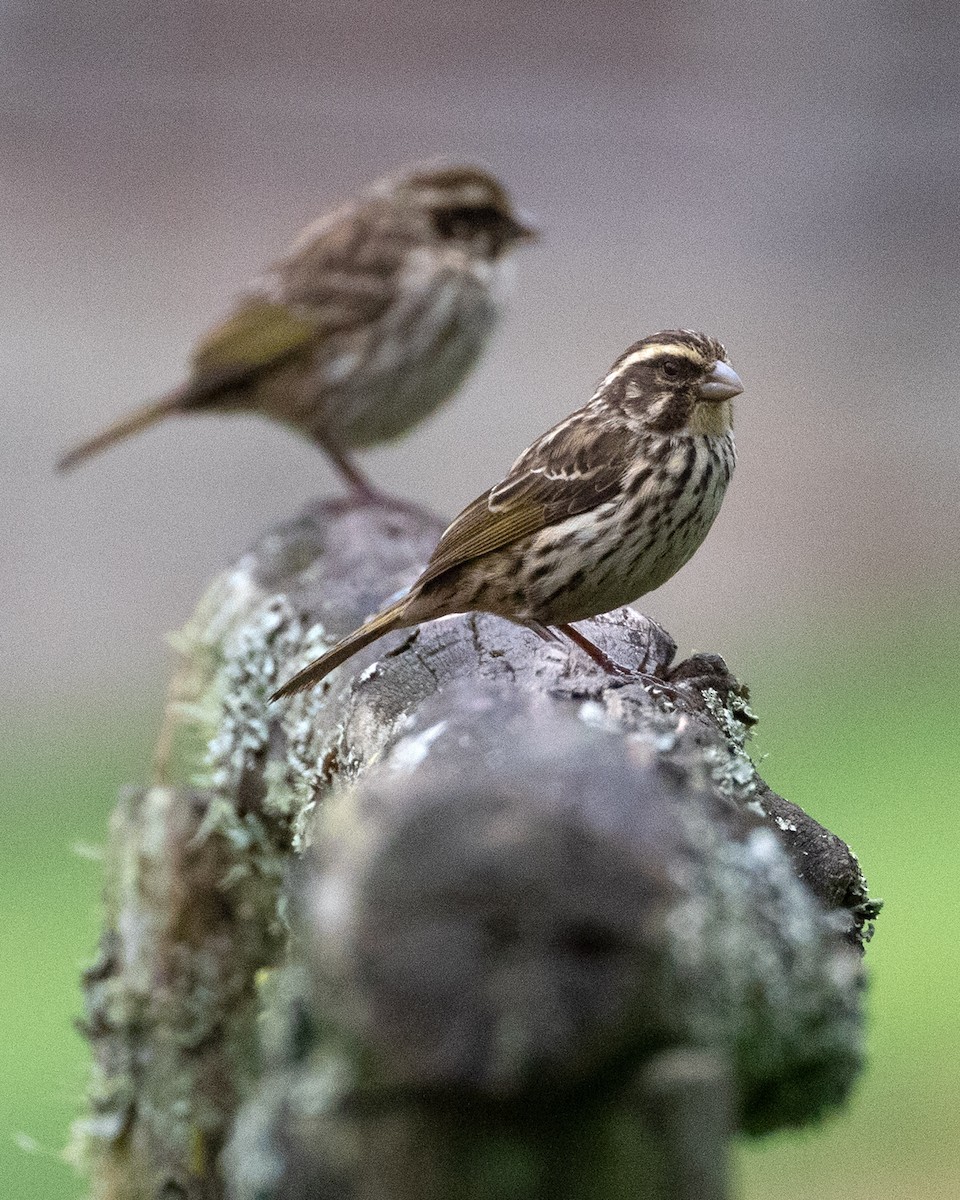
column 469, row 919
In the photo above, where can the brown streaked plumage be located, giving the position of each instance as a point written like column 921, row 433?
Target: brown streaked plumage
column 604, row 507
column 373, row 318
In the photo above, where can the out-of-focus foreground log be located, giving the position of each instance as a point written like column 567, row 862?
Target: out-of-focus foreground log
column 470, row 919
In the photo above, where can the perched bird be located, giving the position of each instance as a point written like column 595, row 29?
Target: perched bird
column 601, row 509
column 373, row 318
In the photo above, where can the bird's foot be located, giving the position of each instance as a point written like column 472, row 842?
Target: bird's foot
column 652, row 683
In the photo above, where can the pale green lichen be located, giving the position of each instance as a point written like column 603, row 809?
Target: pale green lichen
column 225, row 606
column 735, row 719
column 241, row 689
column 787, row 1004
column 244, row 665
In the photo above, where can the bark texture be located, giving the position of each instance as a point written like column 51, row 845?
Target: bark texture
column 470, row 919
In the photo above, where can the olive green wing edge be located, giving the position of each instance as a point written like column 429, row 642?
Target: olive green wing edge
column 256, row 336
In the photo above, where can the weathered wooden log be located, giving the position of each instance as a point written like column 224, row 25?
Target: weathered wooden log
column 551, row 935
column 171, row 1005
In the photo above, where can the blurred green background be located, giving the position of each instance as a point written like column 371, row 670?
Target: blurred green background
column 785, row 176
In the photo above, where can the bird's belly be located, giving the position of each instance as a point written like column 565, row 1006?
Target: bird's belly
column 411, row 368
column 400, row 397
column 603, row 564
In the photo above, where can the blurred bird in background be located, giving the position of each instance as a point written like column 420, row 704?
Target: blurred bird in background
column 371, row 321
column 600, row 510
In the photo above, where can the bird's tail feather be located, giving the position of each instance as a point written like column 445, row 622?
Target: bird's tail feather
column 390, row 618
column 133, row 423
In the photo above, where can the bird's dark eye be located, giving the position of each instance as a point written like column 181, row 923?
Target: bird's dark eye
column 467, row 220
column 670, row 367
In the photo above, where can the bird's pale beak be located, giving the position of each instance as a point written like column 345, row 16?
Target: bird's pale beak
column 723, row 383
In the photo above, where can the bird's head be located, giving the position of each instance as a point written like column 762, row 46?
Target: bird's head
column 675, row 381
column 465, row 206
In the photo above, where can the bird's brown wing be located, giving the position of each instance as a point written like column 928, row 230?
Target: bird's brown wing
column 575, row 467
column 343, row 270
column 332, row 282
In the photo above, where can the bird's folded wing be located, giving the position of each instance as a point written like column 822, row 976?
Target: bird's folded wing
column 570, row 470
column 257, row 335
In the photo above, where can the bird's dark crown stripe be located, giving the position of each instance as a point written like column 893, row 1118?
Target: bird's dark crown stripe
column 462, row 186
column 461, row 197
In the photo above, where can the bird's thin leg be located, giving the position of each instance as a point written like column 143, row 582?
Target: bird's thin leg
column 593, row 651
column 351, row 473
column 610, row 665
column 543, row 631
column 361, row 487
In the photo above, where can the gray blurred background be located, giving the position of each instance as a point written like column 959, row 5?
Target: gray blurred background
column 783, row 176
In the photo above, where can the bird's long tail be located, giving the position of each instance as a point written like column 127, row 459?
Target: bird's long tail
column 393, row 617
column 133, row 423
